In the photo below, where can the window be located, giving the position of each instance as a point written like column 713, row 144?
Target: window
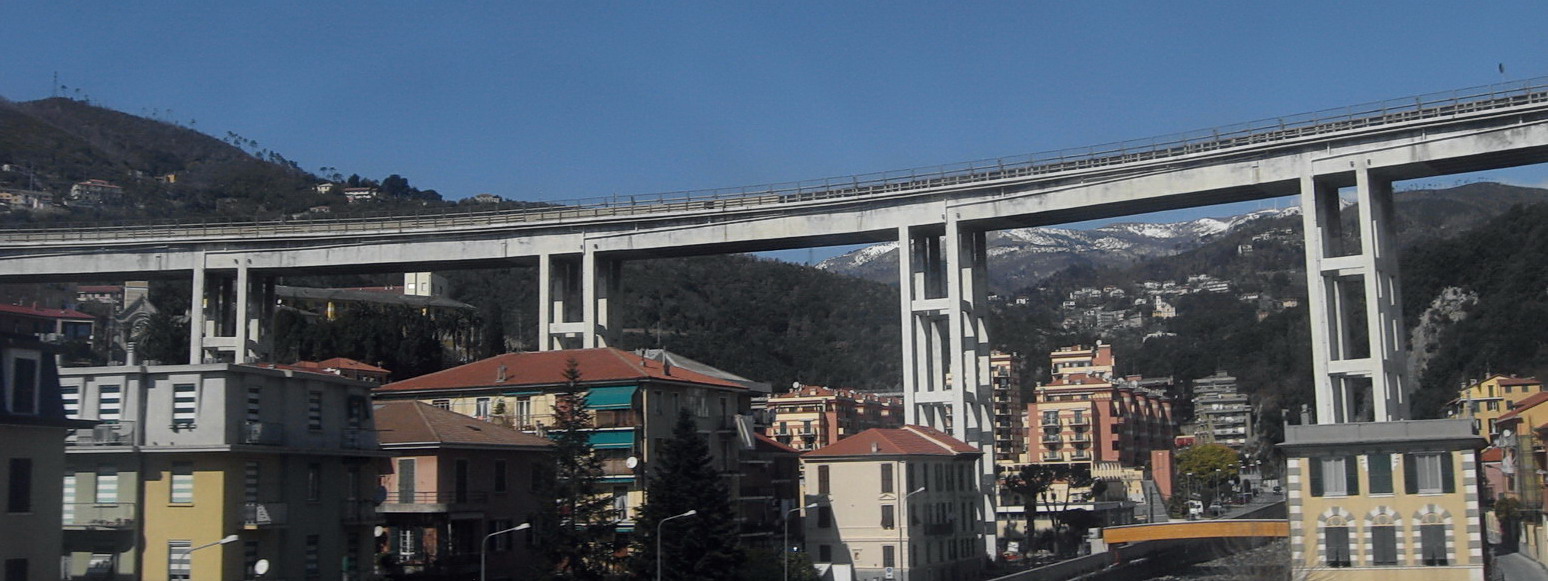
column 1432, row 542
column 250, row 477
column 888, row 518
column 499, row 476
column 254, row 401
column 910, row 469
column 179, row 562
column 1334, row 476
column 182, row 483
column 19, row 491
column 889, row 556
column 185, row 404
column 481, row 408
column 501, row 542
column 1428, row 474
column 886, row 478
column 824, row 553
column 24, row 385
column 110, row 403
column 1337, row 546
column 657, row 402
column 406, row 543
column 312, row 569
column 1384, row 544
column 250, row 558
column 107, row 485
column 314, row 482
column 16, row 570
column 71, row 395
column 621, row 501
column 1379, row 471
column 824, row 517
column 822, row 479
column 314, row 410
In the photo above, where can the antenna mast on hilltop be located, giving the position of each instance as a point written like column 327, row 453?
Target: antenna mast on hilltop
column 55, row 88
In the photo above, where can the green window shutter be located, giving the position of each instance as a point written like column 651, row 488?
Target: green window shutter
column 1352, row 475
column 1410, row 474
column 1448, row 473
column 1380, row 473
column 1314, row 471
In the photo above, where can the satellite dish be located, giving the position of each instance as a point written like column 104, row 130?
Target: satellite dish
column 379, row 531
column 262, row 566
column 632, row 462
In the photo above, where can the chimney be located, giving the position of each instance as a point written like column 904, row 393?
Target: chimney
column 500, row 374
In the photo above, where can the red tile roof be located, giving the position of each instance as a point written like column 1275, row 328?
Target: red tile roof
column 414, row 422
column 1491, row 455
column 904, row 441
column 1519, row 381
column 46, row 313
column 1523, row 405
column 767, row 442
column 547, row 368
column 340, row 363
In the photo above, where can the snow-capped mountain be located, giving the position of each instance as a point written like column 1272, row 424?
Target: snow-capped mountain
column 1023, row 256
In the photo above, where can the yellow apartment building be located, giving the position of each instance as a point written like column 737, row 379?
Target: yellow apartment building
column 1484, row 401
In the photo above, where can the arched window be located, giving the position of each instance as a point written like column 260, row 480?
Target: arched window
column 1335, row 538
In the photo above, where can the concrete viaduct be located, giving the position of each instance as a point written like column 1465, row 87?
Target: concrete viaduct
column 938, row 216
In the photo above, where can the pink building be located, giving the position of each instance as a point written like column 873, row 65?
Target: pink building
column 1086, row 415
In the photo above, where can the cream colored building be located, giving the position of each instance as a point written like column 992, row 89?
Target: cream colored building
column 894, row 504
column 1485, row 401
column 1370, row 501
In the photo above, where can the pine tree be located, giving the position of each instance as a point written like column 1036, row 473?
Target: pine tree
column 683, row 478
column 577, row 529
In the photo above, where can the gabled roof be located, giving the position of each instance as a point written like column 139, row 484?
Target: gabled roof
column 546, row 368
column 1519, row 381
column 402, row 423
column 45, row 313
column 1522, row 406
column 766, row 443
column 340, row 363
column 904, row 441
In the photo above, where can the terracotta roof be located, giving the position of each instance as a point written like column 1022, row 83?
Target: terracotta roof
column 540, row 368
column 904, row 441
column 767, row 442
column 1491, row 455
column 340, row 363
column 414, row 422
column 1523, row 405
column 1519, row 381
column 48, row 313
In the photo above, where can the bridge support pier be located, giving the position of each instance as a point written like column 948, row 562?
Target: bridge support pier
column 943, row 291
column 229, row 314
column 574, row 300
column 1354, row 299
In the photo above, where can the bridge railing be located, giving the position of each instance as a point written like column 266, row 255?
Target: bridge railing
column 1264, row 131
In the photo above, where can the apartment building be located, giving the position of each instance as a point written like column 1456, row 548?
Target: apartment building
column 894, row 503
column 1371, row 500
column 634, row 400
column 1221, row 414
column 453, row 480
column 186, row 456
column 33, row 426
column 810, row 417
column 1485, row 400
column 1519, row 464
column 1010, row 409
column 1086, row 415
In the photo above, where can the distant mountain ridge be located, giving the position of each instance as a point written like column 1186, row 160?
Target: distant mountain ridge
column 1022, row 256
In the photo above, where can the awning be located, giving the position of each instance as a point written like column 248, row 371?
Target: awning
column 613, row 439
column 524, row 392
column 611, row 398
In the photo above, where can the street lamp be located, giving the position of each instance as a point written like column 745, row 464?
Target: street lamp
column 482, row 568
column 229, row 539
column 903, row 544
column 785, row 544
column 658, row 538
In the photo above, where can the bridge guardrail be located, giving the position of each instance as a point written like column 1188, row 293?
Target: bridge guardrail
column 1263, row 131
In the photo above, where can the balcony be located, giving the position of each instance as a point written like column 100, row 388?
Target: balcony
column 357, row 439
column 429, row 502
column 1053, row 457
column 616, row 419
column 1081, row 455
column 1051, row 422
column 99, row 516
column 359, row 512
column 1052, row 439
column 1080, row 421
column 616, row 467
column 1084, row 438
column 265, row 514
column 116, row 434
column 264, row 433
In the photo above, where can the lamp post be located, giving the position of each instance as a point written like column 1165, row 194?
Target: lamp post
column 229, row 539
column 482, row 567
column 658, row 538
column 784, row 546
column 903, row 544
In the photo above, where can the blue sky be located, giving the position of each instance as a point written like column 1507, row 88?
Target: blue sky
column 559, row 100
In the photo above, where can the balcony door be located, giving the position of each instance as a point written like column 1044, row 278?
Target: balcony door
column 406, row 480
column 460, row 481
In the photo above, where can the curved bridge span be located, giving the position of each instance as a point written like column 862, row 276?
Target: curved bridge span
column 1199, row 529
column 937, row 216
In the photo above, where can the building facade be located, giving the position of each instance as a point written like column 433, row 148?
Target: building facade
column 454, row 479
column 1010, row 409
column 895, row 504
column 187, row 455
column 1486, row 400
column 810, row 417
column 1374, row 500
column 1222, row 414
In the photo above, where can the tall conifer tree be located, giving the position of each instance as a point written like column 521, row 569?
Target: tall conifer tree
column 577, row 528
column 683, row 478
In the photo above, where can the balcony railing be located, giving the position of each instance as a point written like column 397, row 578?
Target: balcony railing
column 448, row 497
column 356, row 439
column 264, row 433
column 115, row 434
column 264, row 514
column 91, row 515
column 1081, row 456
column 1080, row 421
column 616, row 467
column 1052, row 457
column 1051, row 439
column 360, row 512
column 1080, row 438
column 1051, row 422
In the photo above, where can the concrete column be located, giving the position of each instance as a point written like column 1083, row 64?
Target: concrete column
column 1340, row 278
column 600, row 284
column 560, row 302
column 196, row 313
column 241, row 353
column 972, row 422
